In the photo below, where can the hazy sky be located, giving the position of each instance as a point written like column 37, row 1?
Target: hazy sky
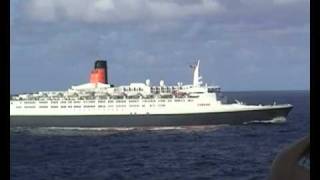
column 242, row 44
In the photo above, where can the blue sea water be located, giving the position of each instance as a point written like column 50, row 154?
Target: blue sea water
column 212, row 152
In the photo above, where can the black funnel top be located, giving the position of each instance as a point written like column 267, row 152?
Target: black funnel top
column 100, row 64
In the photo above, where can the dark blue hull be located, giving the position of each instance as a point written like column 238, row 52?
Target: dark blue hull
column 198, row 119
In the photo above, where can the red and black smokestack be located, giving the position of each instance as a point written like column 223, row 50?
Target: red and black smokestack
column 99, row 73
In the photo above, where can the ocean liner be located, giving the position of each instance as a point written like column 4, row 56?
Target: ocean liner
column 101, row 104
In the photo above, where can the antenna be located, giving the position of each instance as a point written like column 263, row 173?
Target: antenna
column 196, row 77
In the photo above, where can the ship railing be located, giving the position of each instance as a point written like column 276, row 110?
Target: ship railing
column 167, row 96
column 117, row 97
column 150, row 96
column 103, row 97
column 134, row 97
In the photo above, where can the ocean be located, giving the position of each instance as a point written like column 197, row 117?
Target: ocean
column 211, row 152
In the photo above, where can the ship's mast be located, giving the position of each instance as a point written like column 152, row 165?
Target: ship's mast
column 196, row 77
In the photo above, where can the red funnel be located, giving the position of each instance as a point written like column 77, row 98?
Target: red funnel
column 99, row 73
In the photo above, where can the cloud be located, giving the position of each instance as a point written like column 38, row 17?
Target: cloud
column 275, row 2
column 288, row 1
column 43, row 10
column 141, row 39
column 115, row 11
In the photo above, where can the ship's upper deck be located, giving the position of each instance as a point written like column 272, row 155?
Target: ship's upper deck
column 100, row 90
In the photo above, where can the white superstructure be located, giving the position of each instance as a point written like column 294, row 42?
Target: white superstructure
column 133, row 99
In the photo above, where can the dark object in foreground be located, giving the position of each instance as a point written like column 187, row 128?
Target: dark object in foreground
column 293, row 162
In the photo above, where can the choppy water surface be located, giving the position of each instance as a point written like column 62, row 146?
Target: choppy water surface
column 211, row 152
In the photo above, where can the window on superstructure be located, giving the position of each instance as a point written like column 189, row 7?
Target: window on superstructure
column 29, row 106
column 134, row 105
column 210, row 90
column 29, row 102
column 193, row 96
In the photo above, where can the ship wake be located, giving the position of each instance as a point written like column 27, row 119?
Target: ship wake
column 276, row 120
column 74, row 131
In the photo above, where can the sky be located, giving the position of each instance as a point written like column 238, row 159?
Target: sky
column 242, row 44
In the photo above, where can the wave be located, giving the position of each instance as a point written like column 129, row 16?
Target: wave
column 71, row 131
column 90, row 128
column 276, row 120
column 165, row 128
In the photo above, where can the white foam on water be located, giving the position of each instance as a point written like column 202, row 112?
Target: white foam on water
column 206, row 127
column 69, row 131
column 275, row 120
column 91, row 128
column 165, row 128
column 280, row 119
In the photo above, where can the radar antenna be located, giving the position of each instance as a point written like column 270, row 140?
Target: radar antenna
column 196, row 77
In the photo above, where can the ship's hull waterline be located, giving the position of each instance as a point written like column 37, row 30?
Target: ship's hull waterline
column 149, row 120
